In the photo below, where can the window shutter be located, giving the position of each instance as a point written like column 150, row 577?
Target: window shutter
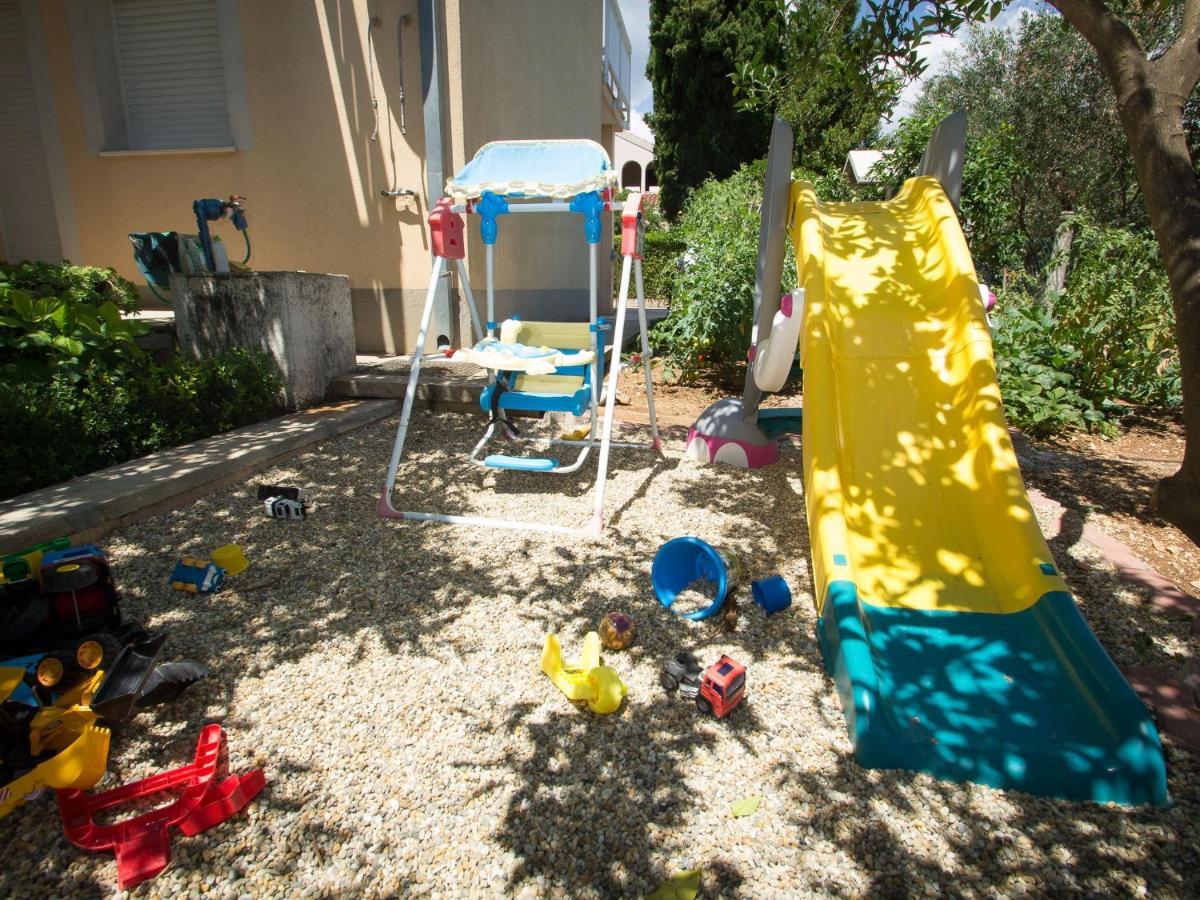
column 172, row 73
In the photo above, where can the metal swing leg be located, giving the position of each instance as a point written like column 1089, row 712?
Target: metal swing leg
column 385, row 509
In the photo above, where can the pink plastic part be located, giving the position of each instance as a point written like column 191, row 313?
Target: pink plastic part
column 384, row 508
column 446, row 231
column 785, row 305
column 757, row 455
column 142, row 844
column 751, row 353
column 630, row 245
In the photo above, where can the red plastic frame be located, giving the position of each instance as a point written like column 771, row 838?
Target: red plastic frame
column 142, row 843
column 631, row 234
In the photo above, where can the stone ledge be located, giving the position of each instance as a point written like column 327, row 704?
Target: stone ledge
column 90, row 506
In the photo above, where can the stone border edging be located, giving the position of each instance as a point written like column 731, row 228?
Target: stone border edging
column 92, row 505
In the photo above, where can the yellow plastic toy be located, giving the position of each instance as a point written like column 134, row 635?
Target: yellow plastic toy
column 589, row 682
column 69, row 727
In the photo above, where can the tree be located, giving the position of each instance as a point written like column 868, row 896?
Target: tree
column 1043, row 82
column 827, row 106
column 1150, row 56
column 695, row 45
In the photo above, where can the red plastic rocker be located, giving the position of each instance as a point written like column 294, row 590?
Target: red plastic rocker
column 142, row 843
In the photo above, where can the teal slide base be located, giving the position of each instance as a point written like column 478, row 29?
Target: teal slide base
column 1028, row 701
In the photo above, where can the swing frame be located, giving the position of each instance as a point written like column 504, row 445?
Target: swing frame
column 591, row 205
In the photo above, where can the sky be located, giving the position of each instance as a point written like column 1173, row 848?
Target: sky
column 938, row 50
column 636, row 14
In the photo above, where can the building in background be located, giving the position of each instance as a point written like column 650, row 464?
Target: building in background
column 338, row 119
column 633, row 158
column 859, row 164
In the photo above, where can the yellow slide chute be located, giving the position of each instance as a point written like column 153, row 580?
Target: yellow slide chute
column 912, row 485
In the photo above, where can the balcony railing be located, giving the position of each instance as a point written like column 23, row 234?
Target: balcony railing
column 617, row 61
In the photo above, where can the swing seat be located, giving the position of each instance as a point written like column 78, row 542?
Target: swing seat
column 568, row 389
column 521, row 463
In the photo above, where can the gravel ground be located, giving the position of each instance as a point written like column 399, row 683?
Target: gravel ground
column 386, row 675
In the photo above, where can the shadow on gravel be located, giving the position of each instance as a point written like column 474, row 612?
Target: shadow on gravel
column 629, row 796
column 1086, row 482
column 908, row 835
column 346, row 585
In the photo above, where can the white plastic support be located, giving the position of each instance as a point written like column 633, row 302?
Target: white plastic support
column 610, row 401
column 646, row 354
column 491, row 290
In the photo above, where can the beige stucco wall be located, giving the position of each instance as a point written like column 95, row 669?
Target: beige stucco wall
column 313, row 176
column 518, row 70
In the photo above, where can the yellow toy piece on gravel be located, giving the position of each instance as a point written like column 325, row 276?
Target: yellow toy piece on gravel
column 68, row 727
column 600, row 687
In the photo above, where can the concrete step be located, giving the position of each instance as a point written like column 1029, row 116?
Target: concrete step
column 444, row 383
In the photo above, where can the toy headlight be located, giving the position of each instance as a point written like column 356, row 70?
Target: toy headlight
column 89, row 655
column 49, row 672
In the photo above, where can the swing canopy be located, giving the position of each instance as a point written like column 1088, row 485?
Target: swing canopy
column 524, row 169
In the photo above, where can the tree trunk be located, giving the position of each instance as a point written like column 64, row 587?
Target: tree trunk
column 1056, row 279
column 1153, row 123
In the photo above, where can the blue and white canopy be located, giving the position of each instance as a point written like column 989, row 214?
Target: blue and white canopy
column 557, row 169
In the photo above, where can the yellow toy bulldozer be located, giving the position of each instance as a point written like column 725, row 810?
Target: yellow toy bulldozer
column 56, row 746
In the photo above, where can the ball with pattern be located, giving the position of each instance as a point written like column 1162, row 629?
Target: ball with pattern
column 616, row 631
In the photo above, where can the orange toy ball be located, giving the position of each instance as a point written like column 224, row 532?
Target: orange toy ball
column 616, row 631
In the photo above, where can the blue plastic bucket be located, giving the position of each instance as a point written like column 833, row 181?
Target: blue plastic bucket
column 685, row 560
column 772, row 594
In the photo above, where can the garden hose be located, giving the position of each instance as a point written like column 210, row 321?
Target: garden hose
column 246, row 236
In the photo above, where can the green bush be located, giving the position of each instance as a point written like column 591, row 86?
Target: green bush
column 1041, row 395
column 63, row 319
column 713, row 300
column 660, row 265
column 66, row 427
column 84, row 284
column 1117, row 310
column 1067, row 362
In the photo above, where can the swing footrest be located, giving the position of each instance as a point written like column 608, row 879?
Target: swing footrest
column 521, row 463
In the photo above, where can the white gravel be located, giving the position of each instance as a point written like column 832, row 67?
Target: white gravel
column 386, row 675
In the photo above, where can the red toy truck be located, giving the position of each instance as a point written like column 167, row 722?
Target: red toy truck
column 718, row 689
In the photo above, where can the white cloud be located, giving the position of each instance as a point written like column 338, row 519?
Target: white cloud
column 637, row 124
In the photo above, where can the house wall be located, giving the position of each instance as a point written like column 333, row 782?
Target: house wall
column 627, row 151
column 311, row 173
column 509, row 82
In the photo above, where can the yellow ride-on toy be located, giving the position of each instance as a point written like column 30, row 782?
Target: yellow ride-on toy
column 588, row 682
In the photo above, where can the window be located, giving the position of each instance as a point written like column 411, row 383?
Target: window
column 160, row 75
column 172, row 74
column 631, row 175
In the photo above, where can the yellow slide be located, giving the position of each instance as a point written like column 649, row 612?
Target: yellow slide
column 952, row 638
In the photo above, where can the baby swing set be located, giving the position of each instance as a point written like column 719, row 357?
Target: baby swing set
column 535, row 366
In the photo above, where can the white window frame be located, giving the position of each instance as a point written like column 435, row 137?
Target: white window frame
column 101, row 92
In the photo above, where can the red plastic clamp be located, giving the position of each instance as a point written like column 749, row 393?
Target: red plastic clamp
column 633, row 231
column 142, row 843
